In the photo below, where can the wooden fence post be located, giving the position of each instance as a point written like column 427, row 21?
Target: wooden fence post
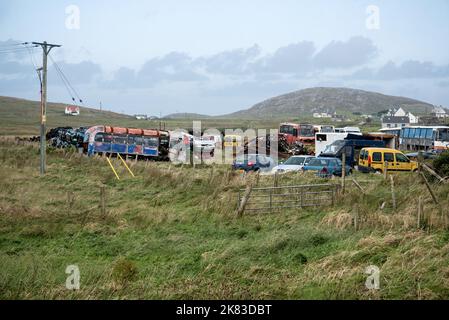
column 429, row 188
column 343, row 171
column 393, row 195
column 241, row 209
column 70, row 199
column 103, row 200
column 420, row 210
column 275, row 181
column 385, row 170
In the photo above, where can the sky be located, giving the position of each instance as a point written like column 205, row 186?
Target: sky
column 216, row 57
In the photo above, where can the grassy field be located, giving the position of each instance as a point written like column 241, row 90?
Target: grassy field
column 22, row 117
column 172, row 233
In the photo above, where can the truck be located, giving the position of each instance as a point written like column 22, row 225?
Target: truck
column 353, row 143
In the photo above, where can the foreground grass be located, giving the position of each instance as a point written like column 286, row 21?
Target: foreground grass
column 171, row 233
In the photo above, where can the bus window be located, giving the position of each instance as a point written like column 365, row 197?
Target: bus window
column 406, row 133
column 131, row 139
column 423, row 133
column 307, row 131
column 107, row 138
column 150, row 142
column 99, row 137
column 120, row 139
column 138, row 140
column 287, row 129
column 443, row 135
column 412, row 133
column 429, row 134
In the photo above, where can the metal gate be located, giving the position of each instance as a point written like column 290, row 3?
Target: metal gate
column 288, row 197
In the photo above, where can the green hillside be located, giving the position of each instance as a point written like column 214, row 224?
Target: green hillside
column 341, row 100
column 19, row 116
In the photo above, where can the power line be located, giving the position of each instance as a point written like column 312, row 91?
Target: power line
column 16, row 50
column 58, row 71
column 66, row 81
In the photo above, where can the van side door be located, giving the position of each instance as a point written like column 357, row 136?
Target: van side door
column 404, row 163
column 390, row 159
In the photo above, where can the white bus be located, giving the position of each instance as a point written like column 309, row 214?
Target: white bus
column 424, row 138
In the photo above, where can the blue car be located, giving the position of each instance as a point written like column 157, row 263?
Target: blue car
column 253, row 162
column 326, row 167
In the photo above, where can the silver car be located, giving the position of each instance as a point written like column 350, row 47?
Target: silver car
column 295, row 163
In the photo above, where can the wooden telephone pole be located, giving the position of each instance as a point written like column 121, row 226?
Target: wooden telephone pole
column 46, row 47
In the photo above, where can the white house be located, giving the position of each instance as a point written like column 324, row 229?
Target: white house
column 72, row 111
column 322, row 115
column 401, row 113
column 439, row 112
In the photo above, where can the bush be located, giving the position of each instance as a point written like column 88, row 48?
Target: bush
column 124, row 270
column 441, row 164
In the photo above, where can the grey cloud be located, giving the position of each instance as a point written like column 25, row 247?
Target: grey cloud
column 175, row 66
column 13, row 67
column 229, row 62
column 338, row 54
column 410, row 69
column 294, row 58
column 77, row 73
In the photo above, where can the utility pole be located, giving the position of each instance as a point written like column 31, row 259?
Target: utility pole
column 46, row 47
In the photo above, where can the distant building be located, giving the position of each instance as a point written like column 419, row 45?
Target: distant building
column 322, row 115
column 395, row 122
column 141, row 117
column 439, row 112
column 398, row 113
column 72, row 111
column 338, row 118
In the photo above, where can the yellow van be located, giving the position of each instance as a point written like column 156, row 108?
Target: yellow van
column 374, row 159
column 233, row 141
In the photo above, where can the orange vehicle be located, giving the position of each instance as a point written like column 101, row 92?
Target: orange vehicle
column 293, row 132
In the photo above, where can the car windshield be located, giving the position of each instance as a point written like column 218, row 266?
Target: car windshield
column 318, row 162
column 334, row 147
column 295, row 161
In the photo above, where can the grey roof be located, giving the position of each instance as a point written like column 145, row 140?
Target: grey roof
column 389, row 119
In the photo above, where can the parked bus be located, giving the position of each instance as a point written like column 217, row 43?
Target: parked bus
column 304, row 133
column 127, row 141
column 324, row 129
column 424, row 138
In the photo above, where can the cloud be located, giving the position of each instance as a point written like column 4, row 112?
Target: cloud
column 352, row 53
column 410, row 69
column 295, row 58
column 175, row 66
column 77, row 73
column 228, row 79
column 229, row 62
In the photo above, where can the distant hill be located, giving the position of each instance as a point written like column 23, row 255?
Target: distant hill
column 187, row 115
column 19, row 116
column 342, row 100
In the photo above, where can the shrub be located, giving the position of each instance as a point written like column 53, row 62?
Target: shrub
column 124, row 270
column 441, row 164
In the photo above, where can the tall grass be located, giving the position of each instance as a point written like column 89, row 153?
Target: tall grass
column 172, row 232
